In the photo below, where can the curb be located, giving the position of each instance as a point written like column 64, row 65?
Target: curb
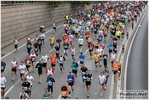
column 123, row 56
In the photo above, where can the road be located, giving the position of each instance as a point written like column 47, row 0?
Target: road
column 137, row 70
column 14, row 88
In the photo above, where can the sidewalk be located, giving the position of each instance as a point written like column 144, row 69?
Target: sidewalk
column 10, row 48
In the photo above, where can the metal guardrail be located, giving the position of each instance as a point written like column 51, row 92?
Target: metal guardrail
column 123, row 56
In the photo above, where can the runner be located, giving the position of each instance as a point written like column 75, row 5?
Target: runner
column 50, row 81
column 52, row 39
column 53, row 61
column 44, row 58
column 106, row 73
column 83, row 71
column 3, row 85
column 110, row 46
column 101, row 81
column 27, row 86
column 74, row 66
column 87, row 35
column 28, row 39
column 57, row 50
column 66, row 45
column 54, row 27
column 22, row 69
column 64, row 91
column 30, row 79
column 29, row 47
column 61, row 61
column 36, row 47
column 33, row 59
column 105, row 57
column 3, row 65
column 88, row 77
column 70, row 80
column 41, row 28
column 39, row 44
column 116, row 66
column 91, row 47
column 81, row 41
column 113, row 58
column 100, row 52
column 105, row 34
column 96, row 58
column 14, row 65
column 50, row 71
column 81, row 59
column 39, row 66
column 43, row 37
column 28, row 63
column 73, row 52
column 96, row 44
column 70, row 36
column 16, row 42
column 46, row 94
column 23, row 94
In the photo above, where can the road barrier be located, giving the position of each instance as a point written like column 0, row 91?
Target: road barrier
column 123, row 56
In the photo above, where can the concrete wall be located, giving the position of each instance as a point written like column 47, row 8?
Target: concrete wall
column 23, row 19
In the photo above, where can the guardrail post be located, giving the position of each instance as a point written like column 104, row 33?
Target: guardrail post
column 127, row 35
column 123, row 48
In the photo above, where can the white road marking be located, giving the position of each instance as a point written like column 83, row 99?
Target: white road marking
column 129, row 53
column 25, row 43
column 20, row 79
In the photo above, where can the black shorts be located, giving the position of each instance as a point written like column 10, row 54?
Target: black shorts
column 15, row 46
column 90, row 50
column 14, row 70
column 70, row 84
column 96, row 62
column 3, row 88
column 44, row 65
column 39, row 72
column 22, row 74
column 51, row 44
column 74, row 71
column 80, row 45
column 110, row 51
column 2, row 71
column 61, row 64
column 81, row 62
column 76, row 33
column 105, row 35
column 88, row 83
column 27, row 66
column 119, row 69
column 54, row 28
column 114, row 72
column 95, row 32
column 118, row 37
column 65, row 97
column 57, row 55
column 53, row 65
column 96, row 47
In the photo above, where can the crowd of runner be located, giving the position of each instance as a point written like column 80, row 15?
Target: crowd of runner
column 106, row 19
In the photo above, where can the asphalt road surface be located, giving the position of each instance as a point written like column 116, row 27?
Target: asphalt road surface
column 137, row 70
column 13, row 89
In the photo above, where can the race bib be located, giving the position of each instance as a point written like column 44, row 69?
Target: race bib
column 63, row 93
column 83, row 73
column 36, row 49
column 91, row 48
column 25, row 88
column 50, row 83
column 33, row 59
